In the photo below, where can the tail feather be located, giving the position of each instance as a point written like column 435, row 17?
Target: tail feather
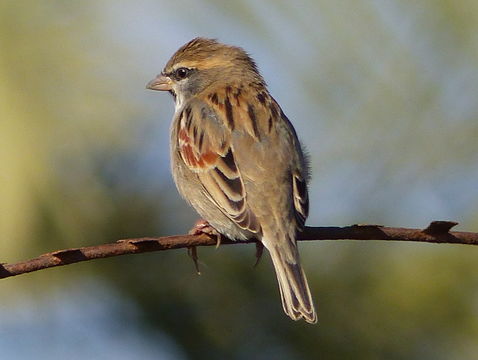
column 293, row 286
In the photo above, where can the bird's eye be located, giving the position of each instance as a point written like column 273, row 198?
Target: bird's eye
column 182, row 73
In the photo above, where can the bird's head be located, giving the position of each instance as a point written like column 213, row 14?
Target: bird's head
column 202, row 63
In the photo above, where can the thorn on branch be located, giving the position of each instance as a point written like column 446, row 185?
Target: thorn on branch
column 439, row 227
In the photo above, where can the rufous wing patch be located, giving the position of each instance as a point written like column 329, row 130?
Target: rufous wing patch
column 195, row 159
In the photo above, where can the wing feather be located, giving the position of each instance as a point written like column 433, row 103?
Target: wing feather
column 301, row 199
column 203, row 146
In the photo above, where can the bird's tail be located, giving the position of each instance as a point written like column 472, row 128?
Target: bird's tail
column 293, row 286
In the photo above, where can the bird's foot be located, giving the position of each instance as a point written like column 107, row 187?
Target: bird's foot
column 193, row 254
column 203, row 227
column 259, row 252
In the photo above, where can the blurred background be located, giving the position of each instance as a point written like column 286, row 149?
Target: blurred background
column 384, row 94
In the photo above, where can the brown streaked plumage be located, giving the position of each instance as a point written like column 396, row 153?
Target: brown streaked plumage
column 236, row 158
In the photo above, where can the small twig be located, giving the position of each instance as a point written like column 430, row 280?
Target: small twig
column 436, row 232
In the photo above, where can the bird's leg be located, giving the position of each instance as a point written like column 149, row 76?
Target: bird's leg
column 203, row 227
column 193, row 253
column 259, row 252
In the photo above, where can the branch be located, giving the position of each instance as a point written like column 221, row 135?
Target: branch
column 436, row 232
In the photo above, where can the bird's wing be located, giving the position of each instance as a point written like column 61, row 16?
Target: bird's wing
column 301, row 199
column 204, row 144
column 208, row 131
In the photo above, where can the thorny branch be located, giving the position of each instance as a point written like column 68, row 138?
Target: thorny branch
column 436, row 232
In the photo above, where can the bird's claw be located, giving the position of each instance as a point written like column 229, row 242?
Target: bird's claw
column 193, row 253
column 259, row 252
column 203, row 227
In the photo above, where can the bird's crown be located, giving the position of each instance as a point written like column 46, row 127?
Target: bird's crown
column 202, row 53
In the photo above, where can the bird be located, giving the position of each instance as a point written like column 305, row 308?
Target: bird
column 237, row 160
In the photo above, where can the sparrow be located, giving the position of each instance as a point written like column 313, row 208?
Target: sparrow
column 236, row 158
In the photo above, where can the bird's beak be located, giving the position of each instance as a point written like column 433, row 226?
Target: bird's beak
column 160, row 83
